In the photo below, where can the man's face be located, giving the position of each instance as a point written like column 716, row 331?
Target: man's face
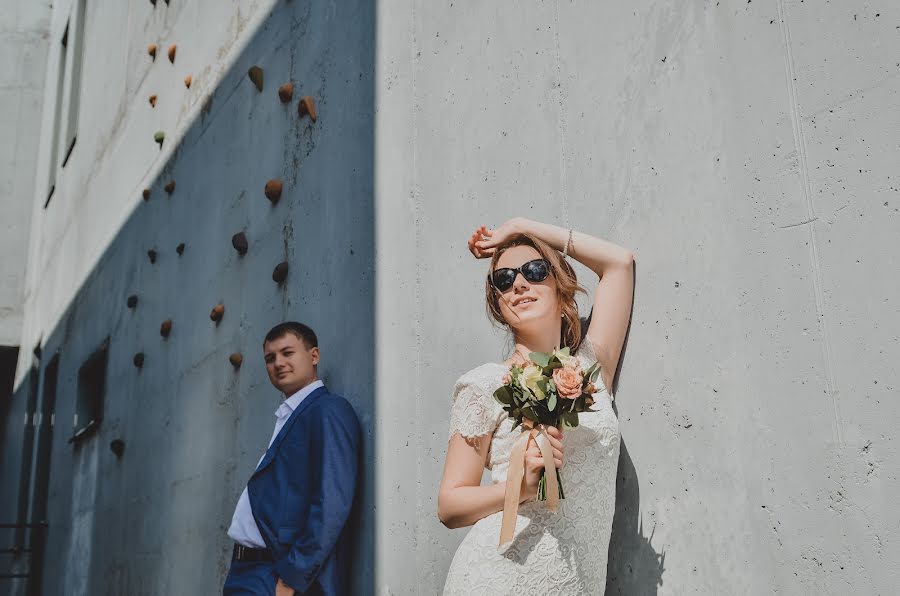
column 290, row 364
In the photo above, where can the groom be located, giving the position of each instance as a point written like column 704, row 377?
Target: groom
column 288, row 526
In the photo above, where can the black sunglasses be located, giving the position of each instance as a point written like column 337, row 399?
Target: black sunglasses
column 533, row 271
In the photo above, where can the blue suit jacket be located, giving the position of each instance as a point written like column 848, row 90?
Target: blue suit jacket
column 302, row 492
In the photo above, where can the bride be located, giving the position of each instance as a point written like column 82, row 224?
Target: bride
column 531, row 291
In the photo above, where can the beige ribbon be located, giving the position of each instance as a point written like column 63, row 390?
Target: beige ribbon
column 514, row 481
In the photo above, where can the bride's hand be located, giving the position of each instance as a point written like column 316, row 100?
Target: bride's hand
column 534, row 462
column 483, row 240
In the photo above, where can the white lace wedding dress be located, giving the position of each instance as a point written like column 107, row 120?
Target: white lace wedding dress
column 551, row 553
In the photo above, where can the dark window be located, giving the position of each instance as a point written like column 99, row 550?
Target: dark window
column 91, row 390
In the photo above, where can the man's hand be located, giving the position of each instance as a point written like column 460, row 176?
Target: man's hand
column 282, row 589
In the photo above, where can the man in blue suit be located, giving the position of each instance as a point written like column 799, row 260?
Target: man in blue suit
column 288, row 526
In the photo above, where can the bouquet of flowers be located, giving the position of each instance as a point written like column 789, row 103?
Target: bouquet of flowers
column 549, row 389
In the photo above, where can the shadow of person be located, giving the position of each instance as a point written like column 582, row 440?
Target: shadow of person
column 634, row 568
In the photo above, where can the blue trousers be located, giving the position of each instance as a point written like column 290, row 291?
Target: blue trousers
column 250, row 578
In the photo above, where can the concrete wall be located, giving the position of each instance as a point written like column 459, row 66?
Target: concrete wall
column 23, row 45
column 154, row 521
column 747, row 153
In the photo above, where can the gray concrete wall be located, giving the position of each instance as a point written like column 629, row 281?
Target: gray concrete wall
column 23, row 45
column 747, row 153
column 154, row 521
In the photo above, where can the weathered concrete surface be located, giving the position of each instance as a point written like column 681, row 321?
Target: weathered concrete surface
column 155, row 521
column 23, row 47
column 747, row 152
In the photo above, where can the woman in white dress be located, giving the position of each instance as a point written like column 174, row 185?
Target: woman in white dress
column 531, row 290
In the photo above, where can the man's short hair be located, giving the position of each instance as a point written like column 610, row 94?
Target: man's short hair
column 301, row 331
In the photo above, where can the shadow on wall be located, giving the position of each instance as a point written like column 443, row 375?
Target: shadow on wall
column 635, row 568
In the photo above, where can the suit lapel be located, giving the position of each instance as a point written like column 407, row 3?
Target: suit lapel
column 273, row 448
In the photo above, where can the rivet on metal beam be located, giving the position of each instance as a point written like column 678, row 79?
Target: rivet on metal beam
column 239, row 242
column 273, row 190
column 152, row 255
column 307, row 107
column 217, row 313
column 180, row 249
column 169, row 187
column 153, row 100
column 187, row 81
column 151, row 49
column 138, row 360
column 146, row 194
column 256, row 75
column 166, row 328
column 280, row 272
column 172, row 49
column 236, row 360
column 132, row 301
column 286, row 92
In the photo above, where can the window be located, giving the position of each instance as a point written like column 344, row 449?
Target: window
column 68, row 94
column 91, row 390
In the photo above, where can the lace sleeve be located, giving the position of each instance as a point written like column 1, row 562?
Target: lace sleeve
column 474, row 413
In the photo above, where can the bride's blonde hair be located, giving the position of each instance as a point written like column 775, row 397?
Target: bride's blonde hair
column 566, row 288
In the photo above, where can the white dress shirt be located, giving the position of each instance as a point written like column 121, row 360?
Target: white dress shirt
column 243, row 528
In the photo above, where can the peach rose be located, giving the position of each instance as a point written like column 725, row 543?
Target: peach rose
column 568, row 382
column 507, row 379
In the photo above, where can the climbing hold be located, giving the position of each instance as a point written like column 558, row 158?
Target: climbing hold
column 180, row 249
column 307, row 107
column 217, row 313
column 153, row 100
column 280, row 273
column 286, row 92
column 132, row 301
column 187, row 81
column 152, row 254
column 273, row 190
column 172, row 49
column 239, row 242
column 256, row 75
column 159, row 137
column 118, row 447
column 236, row 360
column 151, row 49
column 169, row 187
column 146, row 194
column 138, row 359
column 166, row 328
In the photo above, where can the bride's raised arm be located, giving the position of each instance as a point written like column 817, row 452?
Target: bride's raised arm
column 613, row 264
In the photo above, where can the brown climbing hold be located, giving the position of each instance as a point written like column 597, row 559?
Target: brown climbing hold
column 138, row 359
column 239, row 242
column 172, row 49
column 188, row 80
column 217, row 313
column 256, row 75
column 236, row 360
column 151, row 49
column 273, row 190
column 180, row 249
column 307, row 107
column 170, row 186
column 286, row 92
column 118, row 447
column 280, row 273
column 146, row 194
column 152, row 254
column 166, row 328
column 132, row 301
column 153, row 100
